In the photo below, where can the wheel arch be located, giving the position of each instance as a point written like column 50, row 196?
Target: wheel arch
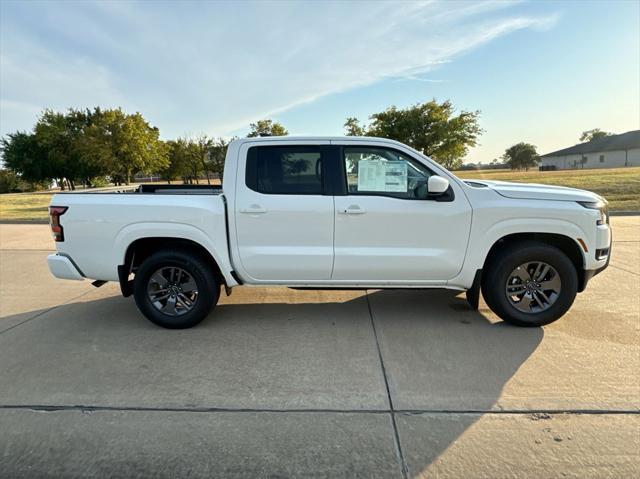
column 564, row 243
column 141, row 248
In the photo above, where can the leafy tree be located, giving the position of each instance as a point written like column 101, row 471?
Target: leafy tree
column 189, row 159
column 217, row 155
column 352, row 127
column 24, row 157
column 521, row 156
column 193, row 158
column 11, row 182
column 64, row 139
column 85, row 145
column 201, row 149
column 432, row 128
column 593, row 134
column 175, row 167
column 125, row 145
column 266, row 128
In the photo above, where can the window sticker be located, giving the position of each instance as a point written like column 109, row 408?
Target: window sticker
column 395, row 178
column 382, row 175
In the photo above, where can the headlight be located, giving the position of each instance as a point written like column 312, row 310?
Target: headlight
column 601, row 206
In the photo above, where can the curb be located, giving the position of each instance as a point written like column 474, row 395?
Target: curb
column 24, row 222
column 624, row 213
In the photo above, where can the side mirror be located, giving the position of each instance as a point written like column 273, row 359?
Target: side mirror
column 437, row 185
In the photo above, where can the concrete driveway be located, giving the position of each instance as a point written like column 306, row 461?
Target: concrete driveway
column 285, row 383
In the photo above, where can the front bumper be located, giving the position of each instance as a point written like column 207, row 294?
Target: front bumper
column 605, row 242
column 63, row 267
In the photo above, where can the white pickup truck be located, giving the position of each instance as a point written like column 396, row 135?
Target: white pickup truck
column 339, row 213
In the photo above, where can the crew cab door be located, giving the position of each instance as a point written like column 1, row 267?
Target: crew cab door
column 388, row 229
column 283, row 217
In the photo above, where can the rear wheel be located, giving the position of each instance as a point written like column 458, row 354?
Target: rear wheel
column 530, row 284
column 175, row 289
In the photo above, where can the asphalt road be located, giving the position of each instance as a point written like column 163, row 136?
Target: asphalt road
column 284, row 383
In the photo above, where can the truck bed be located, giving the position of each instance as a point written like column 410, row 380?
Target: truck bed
column 166, row 189
column 99, row 227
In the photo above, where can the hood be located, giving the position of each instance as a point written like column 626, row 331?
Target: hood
column 534, row 191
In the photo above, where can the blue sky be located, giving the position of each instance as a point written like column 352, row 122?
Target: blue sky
column 540, row 72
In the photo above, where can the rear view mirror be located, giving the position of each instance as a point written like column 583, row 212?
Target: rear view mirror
column 437, row 185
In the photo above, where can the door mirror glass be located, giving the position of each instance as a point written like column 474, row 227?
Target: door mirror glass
column 437, row 185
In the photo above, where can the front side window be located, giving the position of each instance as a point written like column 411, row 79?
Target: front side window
column 285, row 170
column 385, row 172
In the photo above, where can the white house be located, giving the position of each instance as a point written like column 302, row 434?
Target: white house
column 614, row 151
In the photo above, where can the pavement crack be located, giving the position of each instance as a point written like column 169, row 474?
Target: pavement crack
column 403, row 464
column 625, row 270
column 45, row 311
column 408, row 412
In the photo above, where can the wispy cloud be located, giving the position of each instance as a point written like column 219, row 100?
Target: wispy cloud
column 215, row 67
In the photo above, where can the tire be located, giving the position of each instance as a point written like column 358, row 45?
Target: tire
column 164, row 288
column 515, row 289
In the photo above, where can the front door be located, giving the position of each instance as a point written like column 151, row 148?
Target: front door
column 283, row 219
column 387, row 227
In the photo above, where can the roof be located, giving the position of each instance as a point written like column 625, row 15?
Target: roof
column 316, row 138
column 624, row 141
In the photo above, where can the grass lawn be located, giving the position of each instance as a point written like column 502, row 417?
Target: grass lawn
column 621, row 186
column 25, row 207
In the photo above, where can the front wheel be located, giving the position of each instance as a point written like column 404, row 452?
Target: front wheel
column 175, row 289
column 530, row 284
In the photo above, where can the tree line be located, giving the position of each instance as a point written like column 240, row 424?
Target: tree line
column 95, row 146
column 523, row 156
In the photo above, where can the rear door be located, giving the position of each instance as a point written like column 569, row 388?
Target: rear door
column 283, row 213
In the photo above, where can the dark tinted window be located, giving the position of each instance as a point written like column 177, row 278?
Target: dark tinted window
column 285, row 170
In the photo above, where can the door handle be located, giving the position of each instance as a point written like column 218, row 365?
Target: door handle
column 353, row 210
column 253, row 210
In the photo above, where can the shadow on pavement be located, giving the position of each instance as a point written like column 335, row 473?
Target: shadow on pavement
column 439, row 356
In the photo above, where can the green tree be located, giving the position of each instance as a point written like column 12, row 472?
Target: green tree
column 201, row 150
column 432, row 128
column 125, row 145
column 193, row 161
column 23, row 156
column 176, row 164
column 85, row 145
column 266, row 128
column 9, row 181
column 217, row 155
column 352, row 127
column 593, row 134
column 521, row 156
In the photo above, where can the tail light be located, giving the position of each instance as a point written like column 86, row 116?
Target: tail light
column 55, row 212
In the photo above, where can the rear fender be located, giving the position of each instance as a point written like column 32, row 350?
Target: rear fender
column 136, row 231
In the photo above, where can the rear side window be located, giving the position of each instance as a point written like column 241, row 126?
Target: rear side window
column 285, row 170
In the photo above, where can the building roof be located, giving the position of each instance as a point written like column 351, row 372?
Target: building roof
column 624, row 141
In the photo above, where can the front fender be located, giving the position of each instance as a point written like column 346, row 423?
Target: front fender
column 482, row 241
